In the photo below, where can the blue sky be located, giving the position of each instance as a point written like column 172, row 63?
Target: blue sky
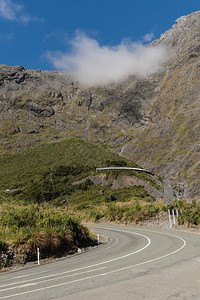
column 30, row 30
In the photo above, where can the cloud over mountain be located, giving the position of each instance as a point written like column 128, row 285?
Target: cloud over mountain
column 93, row 64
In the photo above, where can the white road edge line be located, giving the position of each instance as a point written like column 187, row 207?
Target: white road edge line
column 28, row 275
column 94, row 265
column 94, row 253
column 34, row 274
column 104, row 274
column 30, row 284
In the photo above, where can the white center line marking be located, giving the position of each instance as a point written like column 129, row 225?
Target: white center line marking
column 110, row 272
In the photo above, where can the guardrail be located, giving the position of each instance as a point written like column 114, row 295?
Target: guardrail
column 125, row 168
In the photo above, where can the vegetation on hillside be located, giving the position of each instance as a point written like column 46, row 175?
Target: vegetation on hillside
column 47, row 172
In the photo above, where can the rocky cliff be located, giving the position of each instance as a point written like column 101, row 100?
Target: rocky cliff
column 153, row 121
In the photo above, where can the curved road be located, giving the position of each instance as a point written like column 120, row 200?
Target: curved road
column 135, row 263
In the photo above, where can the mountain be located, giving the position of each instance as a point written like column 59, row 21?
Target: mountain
column 153, row 121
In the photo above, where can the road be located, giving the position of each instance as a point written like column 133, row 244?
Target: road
column 135, row 263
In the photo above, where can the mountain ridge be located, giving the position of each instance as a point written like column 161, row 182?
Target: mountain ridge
column 153, row 121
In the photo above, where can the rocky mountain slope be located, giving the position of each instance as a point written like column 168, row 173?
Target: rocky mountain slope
column 154, row 121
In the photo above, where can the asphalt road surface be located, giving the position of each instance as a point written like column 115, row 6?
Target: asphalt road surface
column 135, row 263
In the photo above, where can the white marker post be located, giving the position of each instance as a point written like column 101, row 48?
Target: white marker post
column 98, row 239
column 174, row 221
column 38, row 256
column 170, row 221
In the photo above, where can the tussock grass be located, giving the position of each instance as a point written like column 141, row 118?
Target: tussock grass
column 34, row 226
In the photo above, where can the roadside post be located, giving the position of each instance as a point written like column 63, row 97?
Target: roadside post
column 38, row 256
column 174, row 220
column 98, row 239
column 170, row 221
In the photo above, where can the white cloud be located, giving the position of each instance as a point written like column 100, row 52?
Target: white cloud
column 14, row 12
column 94, row 64
column 148, row 37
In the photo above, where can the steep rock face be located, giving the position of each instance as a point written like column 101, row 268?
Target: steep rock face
column 153, row 121
column 171, row 142
column 40, row 105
